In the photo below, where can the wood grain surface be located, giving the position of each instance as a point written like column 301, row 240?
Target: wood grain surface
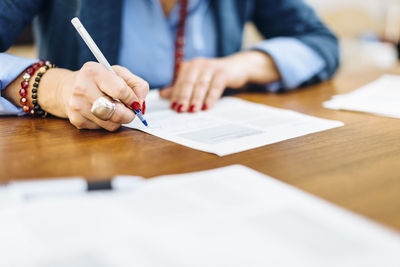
column 356, row 166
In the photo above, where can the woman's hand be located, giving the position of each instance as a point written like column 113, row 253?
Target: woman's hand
column 201, row 82
column 77, row 91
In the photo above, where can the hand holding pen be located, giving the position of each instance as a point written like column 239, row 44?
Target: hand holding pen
column 121, row 94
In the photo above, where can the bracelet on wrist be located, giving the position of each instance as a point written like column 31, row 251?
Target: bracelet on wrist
column 40, row 68
column 37, row 110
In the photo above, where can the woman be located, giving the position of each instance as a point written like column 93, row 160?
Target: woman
column 190, row 48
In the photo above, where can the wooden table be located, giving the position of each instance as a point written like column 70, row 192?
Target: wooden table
column 356, row 166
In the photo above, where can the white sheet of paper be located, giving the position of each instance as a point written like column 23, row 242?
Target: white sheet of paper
column 232, row 126
column 381, row 97
column 231, row 216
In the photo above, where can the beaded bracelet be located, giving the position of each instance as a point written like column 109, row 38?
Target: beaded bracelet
column 37, row 110
column 23, row 92
column 41, row 66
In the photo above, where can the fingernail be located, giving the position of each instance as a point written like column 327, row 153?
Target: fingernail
column 204, row 107
column 180, row 108
column 144, row 107
column 191, row 109
column 135, row 105
column 173, row 105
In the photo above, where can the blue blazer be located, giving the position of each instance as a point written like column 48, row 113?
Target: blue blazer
column 59, row 43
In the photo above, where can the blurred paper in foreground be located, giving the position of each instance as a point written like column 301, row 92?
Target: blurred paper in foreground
column 231, row 216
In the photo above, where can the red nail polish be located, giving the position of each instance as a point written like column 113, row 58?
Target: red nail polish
column 144, row 107
column 191, row 109
column 135, row 105
column 180, row 108
column 173, row 105
column 204, row 107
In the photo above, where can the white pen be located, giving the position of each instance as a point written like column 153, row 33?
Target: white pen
column 100, row 57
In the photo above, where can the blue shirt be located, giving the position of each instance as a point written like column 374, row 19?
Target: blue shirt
column 147, row 47
column 148, row 38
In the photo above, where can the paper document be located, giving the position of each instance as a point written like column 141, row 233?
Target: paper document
column 381, row 97
column 231, row 216
column 232, row 126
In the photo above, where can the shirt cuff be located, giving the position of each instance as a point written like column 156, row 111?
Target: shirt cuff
column 10, row 68
column 296, row 62
column 7, row 108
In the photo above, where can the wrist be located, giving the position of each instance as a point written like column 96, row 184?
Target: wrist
column 52, row 95
column 256, row 67
column 237, row 69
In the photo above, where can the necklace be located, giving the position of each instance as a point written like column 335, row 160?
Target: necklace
column 180, row 37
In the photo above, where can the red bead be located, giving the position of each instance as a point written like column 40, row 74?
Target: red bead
column 30, row 71
column 181, row 24
column 24, row 85
column 181, row 31
column 23, row 92
column 184, row 4
column 179, row 53
column 36, row 66
column 23, row 101
column 183, row 13
column 178, row 64
column 26, row 109
column 180, row 42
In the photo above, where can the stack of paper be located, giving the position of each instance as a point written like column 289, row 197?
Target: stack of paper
column 232, row 126
column 381, row 97
column 232, row 216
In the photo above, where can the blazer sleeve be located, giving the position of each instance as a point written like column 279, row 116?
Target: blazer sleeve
column 296, row 19
column 14, row 16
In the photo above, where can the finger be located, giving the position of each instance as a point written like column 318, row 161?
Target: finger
column 121, row 114
column 81, row 122
column 139, row 86
column 176, row 86
column 109, row 83
column 108, row 125
column 87, row 93
column 184, row 86
column 200, row 90
column 166, row 93
column 215, row 91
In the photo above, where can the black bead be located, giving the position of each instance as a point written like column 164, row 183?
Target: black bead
column 34, row 102
column 34, row 91
column 40, row 112
column 40, row 74
column 37, row 79
column 35, row 85
column 36, row 107
column 47, row 67
column 34, row 96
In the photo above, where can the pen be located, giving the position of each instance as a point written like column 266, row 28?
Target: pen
column 100, row 57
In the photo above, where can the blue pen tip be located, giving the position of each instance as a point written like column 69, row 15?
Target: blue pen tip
column 145, row 123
